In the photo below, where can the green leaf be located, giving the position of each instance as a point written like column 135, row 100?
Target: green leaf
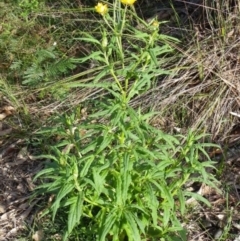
column 182, row 201
column 198, row 197
column 99, row 179
column 105, row 141
column 127, row 168
column 108, row 224
column 141, row 35
column 45, row 172
column 199, row 146
column 67, row 188
column 153, row 56
column 94, row 56
column 142, row 224
column 197, row 137
column 87, row 165
column 153, row 203
column 89, row 147
column 56, row 185
column 165, row 194
column 208, row 164
column 163, row 164
column 69, row 201
column 134, row 137
column 166, row 214
column 210, row 145
column 131, row 226
column 181, row 235
column 155, row 231
column 89, row 39
column 75, row 211
column 143, row 209
column 138, row 86
column 119, row 199
column 103, row 73
column 145, row 151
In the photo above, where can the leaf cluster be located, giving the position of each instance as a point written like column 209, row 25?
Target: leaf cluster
column 126, row 177
column 46, row 67
column 116, row 171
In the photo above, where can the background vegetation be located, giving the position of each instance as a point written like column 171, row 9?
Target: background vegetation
column 92, row 96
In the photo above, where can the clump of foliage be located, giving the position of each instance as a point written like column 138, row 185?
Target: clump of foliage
column 28, row 55
column 114, row 170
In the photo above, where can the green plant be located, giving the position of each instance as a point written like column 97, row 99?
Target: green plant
column 30, row 56
column 48, row 65
column 115, row 170
column 28, row 6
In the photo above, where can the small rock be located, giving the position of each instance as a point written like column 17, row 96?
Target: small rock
column 218, row 234
column 38, row 236
column 3, row 208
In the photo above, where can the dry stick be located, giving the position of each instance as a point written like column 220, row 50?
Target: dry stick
column 234, row 114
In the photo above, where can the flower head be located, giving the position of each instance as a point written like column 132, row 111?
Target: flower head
column 128, row 2
column 101, row 8
column 155, row 23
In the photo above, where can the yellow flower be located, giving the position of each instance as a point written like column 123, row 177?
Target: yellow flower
column 101, row 8
column 128, row 2
column 155, row 23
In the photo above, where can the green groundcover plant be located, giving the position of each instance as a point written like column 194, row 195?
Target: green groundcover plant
column 114, row 170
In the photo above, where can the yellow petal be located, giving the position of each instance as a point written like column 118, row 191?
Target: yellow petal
column 101, row 8
column 128, row 2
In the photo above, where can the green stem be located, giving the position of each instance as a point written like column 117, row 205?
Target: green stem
column 113, row 73
column 120, row 34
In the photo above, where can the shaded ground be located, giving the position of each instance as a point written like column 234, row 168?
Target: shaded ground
column 17, row 169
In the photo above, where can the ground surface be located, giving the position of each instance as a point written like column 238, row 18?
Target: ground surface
column 18, row 167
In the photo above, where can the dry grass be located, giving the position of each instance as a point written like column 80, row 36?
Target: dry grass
column 205, row 86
